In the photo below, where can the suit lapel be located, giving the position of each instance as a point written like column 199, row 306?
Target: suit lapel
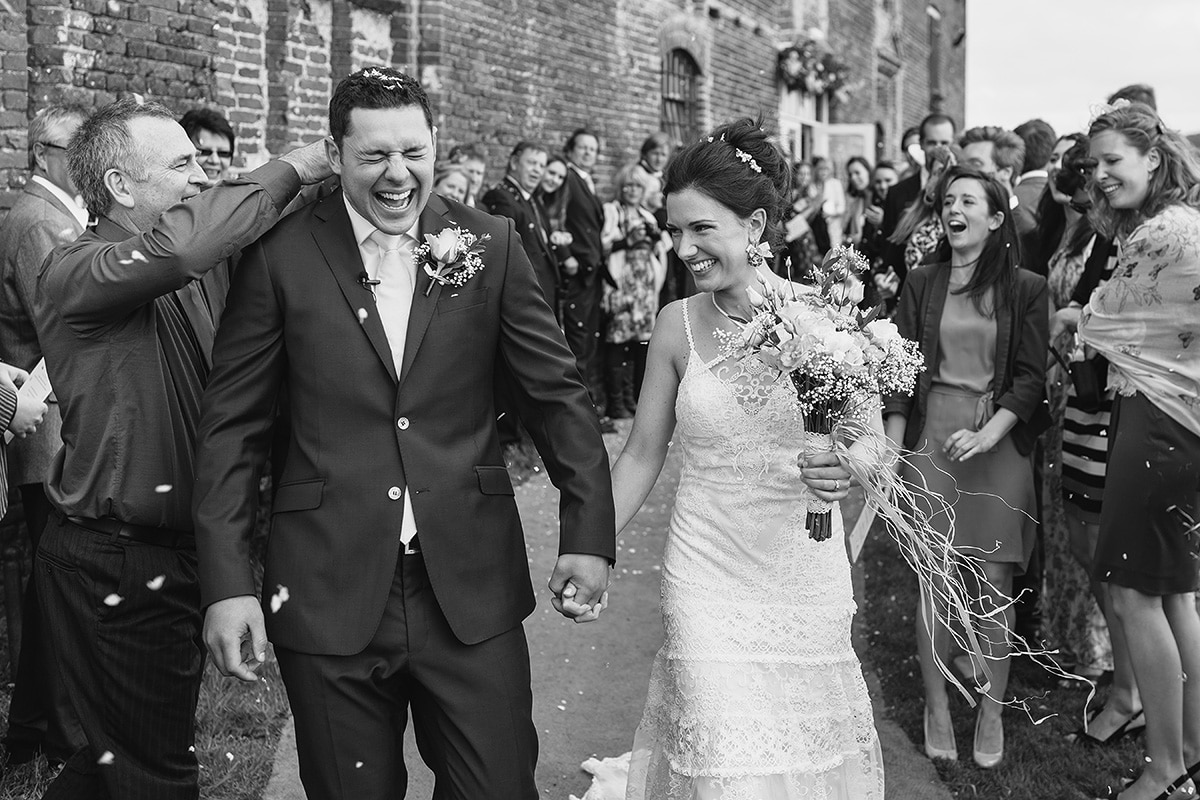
column 37, row 190
column 433, row 219
column 335, row 239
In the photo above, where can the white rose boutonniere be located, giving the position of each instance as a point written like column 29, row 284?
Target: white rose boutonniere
column 450, row 256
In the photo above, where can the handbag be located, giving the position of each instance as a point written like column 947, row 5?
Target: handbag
column 1089, row 378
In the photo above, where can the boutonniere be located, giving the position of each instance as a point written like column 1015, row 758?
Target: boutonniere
column 450, row 257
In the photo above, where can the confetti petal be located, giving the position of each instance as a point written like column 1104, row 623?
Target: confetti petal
column 113, row 600
column 163, row 488
column 154, row 584
column 278, row 599
column 136, row 255
column 106, row 758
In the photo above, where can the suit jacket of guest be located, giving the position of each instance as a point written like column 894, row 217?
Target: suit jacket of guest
column 898, row 199
column 1029, row 194
column 37, row 223
column 359, row 433
column 506, row 200
column 584, row 221
column 1022, row 339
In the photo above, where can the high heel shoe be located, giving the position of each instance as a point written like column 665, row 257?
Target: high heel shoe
column 1169, row 793
column 986, row 760
column 1131, row 727
column 934, row 752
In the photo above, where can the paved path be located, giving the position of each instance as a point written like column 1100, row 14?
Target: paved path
column 590, row 680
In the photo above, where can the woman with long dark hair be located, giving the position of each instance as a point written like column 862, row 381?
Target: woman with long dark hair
column 983, row 326
column 757, row 692
column 1145, row 321
column 858, row 199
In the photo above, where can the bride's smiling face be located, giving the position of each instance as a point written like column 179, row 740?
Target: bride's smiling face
column 711, row 239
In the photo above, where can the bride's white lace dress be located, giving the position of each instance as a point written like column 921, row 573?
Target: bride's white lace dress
column 756, row 693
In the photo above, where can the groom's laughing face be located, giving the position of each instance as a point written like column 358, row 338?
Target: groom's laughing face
column 385, row 161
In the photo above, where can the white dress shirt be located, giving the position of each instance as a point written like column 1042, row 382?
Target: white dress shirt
column 71, row 203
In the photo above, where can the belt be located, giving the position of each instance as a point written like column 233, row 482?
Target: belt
column 142, row 534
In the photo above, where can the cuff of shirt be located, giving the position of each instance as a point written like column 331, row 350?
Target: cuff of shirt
column 8, row 407
column 280, row 180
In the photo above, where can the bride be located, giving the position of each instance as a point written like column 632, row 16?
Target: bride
column 756, row 693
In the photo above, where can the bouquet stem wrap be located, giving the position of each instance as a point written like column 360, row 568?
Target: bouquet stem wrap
column 818, row 437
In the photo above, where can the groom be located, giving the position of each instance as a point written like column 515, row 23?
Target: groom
column 396, row 571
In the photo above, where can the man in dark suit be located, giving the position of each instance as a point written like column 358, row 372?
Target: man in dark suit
column 936, row 129
column 44, row 216
column 582, row 288
column 125, row 316
column 394, row 529
column 1030, row 185
column 513, row 198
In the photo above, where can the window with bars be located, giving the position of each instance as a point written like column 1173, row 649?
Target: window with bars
column 680, row 108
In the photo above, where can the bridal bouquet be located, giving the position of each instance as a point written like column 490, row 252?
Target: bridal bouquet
column 839, row 359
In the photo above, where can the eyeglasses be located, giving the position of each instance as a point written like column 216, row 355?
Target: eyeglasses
column 53, row 145
column 205, row 152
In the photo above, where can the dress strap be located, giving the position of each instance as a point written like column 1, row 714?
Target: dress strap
column 687, row 324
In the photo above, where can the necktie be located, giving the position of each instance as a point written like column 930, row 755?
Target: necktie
column 394, row 294
column 395, row 272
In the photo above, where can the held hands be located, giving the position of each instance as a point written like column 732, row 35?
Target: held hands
column 29, row 411
column 310, row 162
column 579, row 585
column 236, row 636
column 824, row 474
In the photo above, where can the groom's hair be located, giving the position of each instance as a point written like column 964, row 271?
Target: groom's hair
column 374, row 87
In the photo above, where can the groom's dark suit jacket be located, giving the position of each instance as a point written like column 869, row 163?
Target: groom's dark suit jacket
column 300, row 318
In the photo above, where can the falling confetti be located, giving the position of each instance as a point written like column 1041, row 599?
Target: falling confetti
column 362, row 316
column 358, row 764
column 113, row 600
column 136, row 255
column 105, row 759
column 229, row 756
column 163, row 488
column 154, row 584
column 278, row 599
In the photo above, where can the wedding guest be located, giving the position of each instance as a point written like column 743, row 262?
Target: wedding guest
column 996, row 152
column 1030, row 184
column 800, row 251
column 514, row 198
column 829, row 196
column 1146, row 195
column 214, row 139
column 920, row 229
column 582, row 291
column 554, row 199
column 859, row 197
column 883, row 177
column 637, row 252
column 656, row 149
column 452, row 182
column 1135, row 93
column 1054, row 205
column 474, row 162
column 1064, row 143
column 137, row 296
column 45, row 216
column 1073, row 446
column 913, row 150
column 982, row 325
column 936, row 130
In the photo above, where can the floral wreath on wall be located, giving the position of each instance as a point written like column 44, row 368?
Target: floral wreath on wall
column 808, row 67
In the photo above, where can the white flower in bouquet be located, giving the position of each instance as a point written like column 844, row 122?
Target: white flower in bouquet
column 848, row 293
column 883, row 330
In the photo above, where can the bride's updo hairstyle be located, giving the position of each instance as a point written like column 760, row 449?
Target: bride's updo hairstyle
column 738, row 166
column 1176, row 180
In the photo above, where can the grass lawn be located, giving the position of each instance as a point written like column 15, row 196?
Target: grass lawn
column 1039, row 764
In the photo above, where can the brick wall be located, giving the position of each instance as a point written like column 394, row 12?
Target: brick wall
column 496, row 72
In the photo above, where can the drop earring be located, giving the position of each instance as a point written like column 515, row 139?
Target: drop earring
column 757, row 254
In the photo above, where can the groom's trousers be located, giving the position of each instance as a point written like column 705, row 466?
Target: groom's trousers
column 471, row 706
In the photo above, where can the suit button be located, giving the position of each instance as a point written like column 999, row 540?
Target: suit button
column 394, row 493
column 402, row 423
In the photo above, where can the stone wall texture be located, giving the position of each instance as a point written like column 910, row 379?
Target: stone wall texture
column 497, row 71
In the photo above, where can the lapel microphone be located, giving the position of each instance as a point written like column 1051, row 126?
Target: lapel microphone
column 364, row 280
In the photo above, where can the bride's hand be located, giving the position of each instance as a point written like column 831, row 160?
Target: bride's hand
column 824, row 475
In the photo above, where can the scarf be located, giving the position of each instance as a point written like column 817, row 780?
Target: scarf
column 1146, row 319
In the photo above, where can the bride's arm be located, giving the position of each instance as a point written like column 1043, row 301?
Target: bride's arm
column 638, row 466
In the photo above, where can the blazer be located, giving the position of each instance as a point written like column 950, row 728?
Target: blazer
column 505, row 200
column 37, row 223
column 584, row 220
column 1022, row 339
column 898, row 199
column 299, row 317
